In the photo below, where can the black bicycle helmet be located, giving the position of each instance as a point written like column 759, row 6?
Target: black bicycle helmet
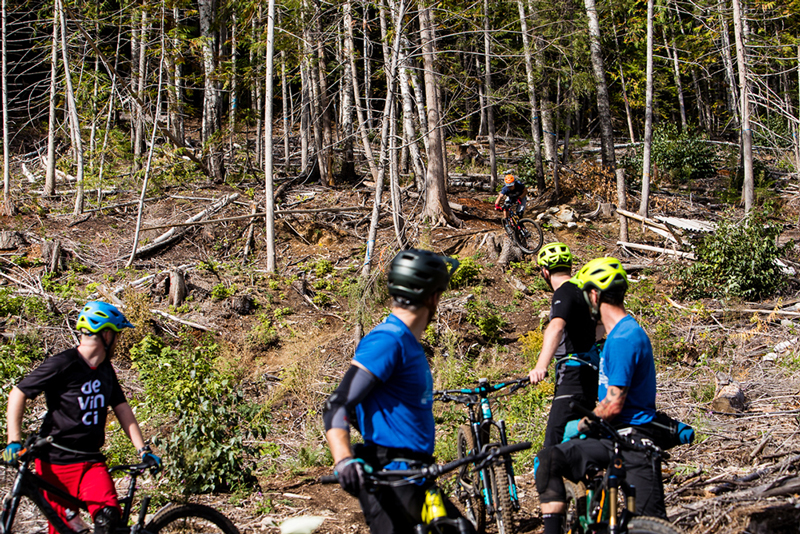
column 417, row 274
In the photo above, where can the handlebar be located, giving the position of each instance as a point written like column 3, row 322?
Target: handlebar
column 623, row 441
column 136, row 469
column 408, row 476
column 470, row 395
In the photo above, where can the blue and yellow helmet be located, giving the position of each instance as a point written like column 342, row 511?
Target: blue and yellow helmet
column 98, row 315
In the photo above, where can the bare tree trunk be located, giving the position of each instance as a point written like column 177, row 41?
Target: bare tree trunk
column 419, row 98
column 176, row 91
column 487, row 71
column 256, row 62
column 212, row 98
column 268, row 182
column 50, row 175
column 436, row 210
column 362, row 122
column 150, row 152
column 109, row 115
column 234, row 86
column 744, row 92
column 95, row 113
column 75, row 126
column 394, row 180
column 285, row 105
column 408, row 120
column 603, row 104
column 367, row 53
column 672, row 54
column 535, row 122
column 648, row 115
column 8, row 209
column 797, row 129
column 622, row 202
column 628, row 113
column 483, row 129
column 325, row 157
column 702, row 109
column 305, row 115
column 733, row 98
column 138, row 142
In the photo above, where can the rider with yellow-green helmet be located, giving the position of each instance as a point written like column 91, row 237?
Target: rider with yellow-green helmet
column 569, row 339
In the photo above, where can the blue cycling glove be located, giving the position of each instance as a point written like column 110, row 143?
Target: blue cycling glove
column 571, row 431
column 11, row 452
column 351, row 474
column 152, row 459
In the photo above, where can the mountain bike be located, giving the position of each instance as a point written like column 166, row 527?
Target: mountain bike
column 435, row 520
column 526, row 233
column 604, row 502
column 172, row 518
column 492, row 490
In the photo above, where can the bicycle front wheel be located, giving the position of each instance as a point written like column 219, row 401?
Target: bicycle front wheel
column 652, row 525
column 190, row 518
column 576, row 505
column 503, row 513
column 469, row 483
column 528, row 236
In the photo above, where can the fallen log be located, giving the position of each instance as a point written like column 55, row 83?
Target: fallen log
column 648, row 248
column 182, row 321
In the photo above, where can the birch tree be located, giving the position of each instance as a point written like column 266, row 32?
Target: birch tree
column 744, row 90
column 268, row 182
column 648, row 115
column 603, row 104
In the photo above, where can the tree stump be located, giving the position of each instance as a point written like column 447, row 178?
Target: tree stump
column 606, row 210
column 11, row 240
column 493, row 247
column 510, row 252
column 53, row 256
column 729, row 397
column 242, row 304
column 177, row 288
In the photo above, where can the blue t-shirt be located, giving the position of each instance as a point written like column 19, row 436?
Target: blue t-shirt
column 627, row 361
column 513, row 191
column 398, row 412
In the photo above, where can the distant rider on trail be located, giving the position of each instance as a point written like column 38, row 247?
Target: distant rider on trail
column 387, row 394
column 515, row 191
column 570, row 339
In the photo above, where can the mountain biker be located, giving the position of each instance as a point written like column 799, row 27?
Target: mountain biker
column 570, row 338
column 628, row 392
column 387, row 394
column 79, row 385
column 515, row 191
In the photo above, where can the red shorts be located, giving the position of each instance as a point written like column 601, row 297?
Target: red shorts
column 88, row 481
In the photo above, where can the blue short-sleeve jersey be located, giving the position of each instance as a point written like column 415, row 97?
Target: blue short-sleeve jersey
column 398, row 412
column 514, row 190
column 627, row 361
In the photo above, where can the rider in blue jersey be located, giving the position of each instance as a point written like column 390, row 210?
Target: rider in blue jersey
column 387, row 394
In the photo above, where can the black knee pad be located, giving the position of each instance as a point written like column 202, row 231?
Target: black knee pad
column 552, row 466
column 105, row 521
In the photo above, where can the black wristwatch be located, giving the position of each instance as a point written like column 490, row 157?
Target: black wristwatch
column 143, row 450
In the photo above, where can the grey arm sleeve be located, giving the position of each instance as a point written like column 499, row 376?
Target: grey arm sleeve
column 340, row 407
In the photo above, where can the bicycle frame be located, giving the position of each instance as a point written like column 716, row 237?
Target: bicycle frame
column 481, row 421
column 28, row 484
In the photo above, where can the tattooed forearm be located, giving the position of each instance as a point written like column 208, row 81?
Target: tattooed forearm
column 612, row 405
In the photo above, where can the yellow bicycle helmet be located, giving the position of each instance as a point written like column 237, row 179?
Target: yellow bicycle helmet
column 602, row 274
column 555, row 255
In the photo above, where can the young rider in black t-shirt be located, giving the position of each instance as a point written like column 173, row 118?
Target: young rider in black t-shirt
column 79, row 386
column 570, row 339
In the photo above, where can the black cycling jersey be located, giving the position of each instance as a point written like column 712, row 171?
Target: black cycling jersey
column 568, row 304
column 77, row 398
column 513, row 191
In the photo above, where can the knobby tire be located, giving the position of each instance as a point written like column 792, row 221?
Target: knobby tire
column 474, row 507
column 503, row 512
column 652, row 525
column 190, row 518
column 576, row 505
column 531, row 244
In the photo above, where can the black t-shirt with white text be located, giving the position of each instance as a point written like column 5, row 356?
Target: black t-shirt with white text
column 579, row 333
column 78, row 398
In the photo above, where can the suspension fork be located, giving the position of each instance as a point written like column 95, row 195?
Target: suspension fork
column 512, row 483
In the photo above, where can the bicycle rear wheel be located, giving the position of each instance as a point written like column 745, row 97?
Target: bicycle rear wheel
column 528, row 236
column 503, row 513
column 652, row 525
column 190, row 518
column 469, row 483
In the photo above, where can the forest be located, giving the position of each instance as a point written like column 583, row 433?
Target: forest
column 236, row 178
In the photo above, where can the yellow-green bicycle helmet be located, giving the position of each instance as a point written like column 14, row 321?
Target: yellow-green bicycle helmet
column 555, row 255
column 99, row 315
column 602, row 274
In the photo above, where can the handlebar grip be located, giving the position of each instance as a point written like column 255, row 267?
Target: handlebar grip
column 583, row 411
column 508, row 449
column 329, row 479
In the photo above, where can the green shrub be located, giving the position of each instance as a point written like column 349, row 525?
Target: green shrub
column 526, row 170
column 467, row 272
column 483, row 314
column 220, row 292
column 18, row 355
column 737, row 260
column 264, row 334
column 10, row 304
column 323, row 267
column 682, row 155
column 211, row 425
